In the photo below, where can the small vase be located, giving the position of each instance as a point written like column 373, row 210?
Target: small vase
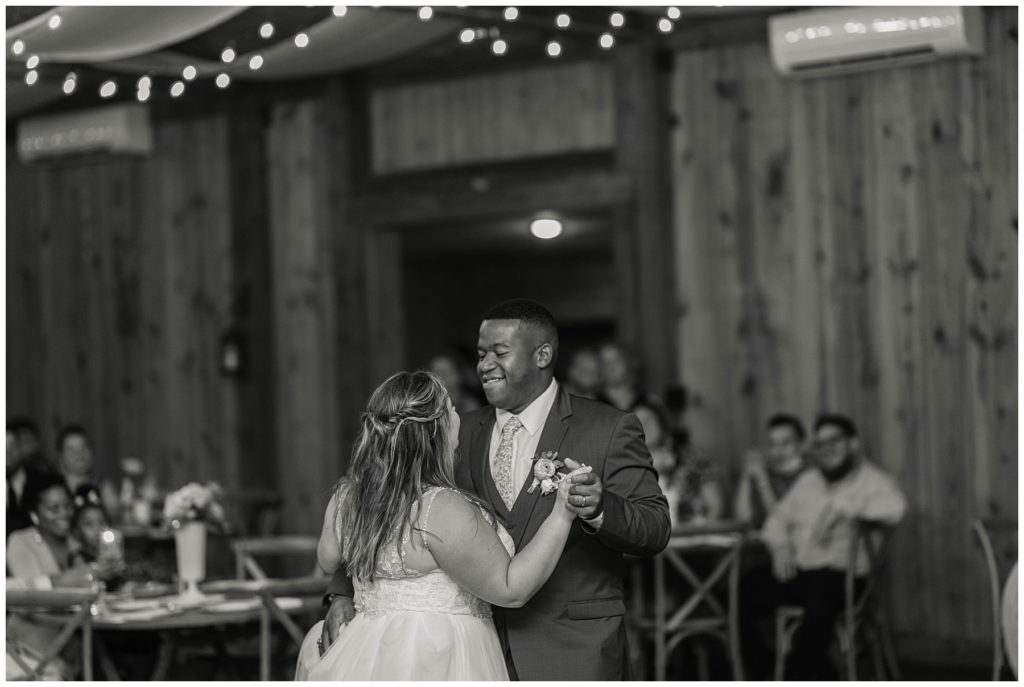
column 190, row 545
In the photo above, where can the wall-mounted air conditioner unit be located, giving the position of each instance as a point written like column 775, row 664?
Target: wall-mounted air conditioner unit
column 111, row 129
column 828, row 41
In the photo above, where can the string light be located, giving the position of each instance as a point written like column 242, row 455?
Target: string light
column 554, row 49
column 228, row 55
column 426, row 13
column 266, row 30
column 32, row 62
column 143, row 95
column 255, row 62
column 144, row 83
column 617, row 20
column 467, row 35
column 177, row 88
column 31, row 76
column 511, row 14
column 339, row 10
column 18, row 47
column 301, row 40
column 70, row 81
column 223, row 80
column 499, row 47
column 563, row 21
column 189, row 72
column 665, row 25
column 54, row 22
column 606, row 41
column 108, row 89
column 673, row 13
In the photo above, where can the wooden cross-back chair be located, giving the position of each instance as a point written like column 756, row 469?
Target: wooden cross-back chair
column 996, row 576
column 248, row 550
column 864, row 613
column 78, row 602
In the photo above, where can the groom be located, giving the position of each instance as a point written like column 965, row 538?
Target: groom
column 572, row 629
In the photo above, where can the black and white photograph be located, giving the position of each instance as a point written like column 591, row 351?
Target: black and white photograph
column 488, row 342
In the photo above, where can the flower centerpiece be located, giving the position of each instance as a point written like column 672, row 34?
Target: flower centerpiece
column 188, row 511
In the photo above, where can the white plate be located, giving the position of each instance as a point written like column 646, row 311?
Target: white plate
column 233, row 606
column 130, row 605
column 232, row 585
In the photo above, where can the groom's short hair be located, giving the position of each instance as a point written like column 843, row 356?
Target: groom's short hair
column 530, row 313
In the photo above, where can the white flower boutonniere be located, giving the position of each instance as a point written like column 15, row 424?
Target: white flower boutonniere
column 545, row 471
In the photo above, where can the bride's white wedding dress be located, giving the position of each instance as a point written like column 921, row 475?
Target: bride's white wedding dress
column 410, row 625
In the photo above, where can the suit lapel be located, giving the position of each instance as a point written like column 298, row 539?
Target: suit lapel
column 551, row 437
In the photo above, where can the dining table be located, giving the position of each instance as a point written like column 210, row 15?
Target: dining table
column 157, row 608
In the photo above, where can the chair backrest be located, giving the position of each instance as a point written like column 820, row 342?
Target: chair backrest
column 246, row 551
column 79, row 601
column 873, row 539
column 993, row 573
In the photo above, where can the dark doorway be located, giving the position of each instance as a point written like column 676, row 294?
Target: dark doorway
column 452, row 274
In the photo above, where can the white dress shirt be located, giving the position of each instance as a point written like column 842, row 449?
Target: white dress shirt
column 525, row 441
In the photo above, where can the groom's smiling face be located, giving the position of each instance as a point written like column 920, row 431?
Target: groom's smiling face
column 511, row 364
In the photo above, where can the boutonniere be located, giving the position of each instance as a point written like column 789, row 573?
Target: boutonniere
column 546, row 475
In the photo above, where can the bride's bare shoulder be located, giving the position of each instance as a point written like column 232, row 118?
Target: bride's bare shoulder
column 452, row 511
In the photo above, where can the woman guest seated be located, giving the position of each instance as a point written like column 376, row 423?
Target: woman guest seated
column 41, row 557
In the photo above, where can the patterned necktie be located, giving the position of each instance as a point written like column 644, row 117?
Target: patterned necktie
column 504, row 460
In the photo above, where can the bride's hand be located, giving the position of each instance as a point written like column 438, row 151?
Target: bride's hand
column 566, row 484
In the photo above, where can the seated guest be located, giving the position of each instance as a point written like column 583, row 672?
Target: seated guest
column 74, row 456
column 769, row 473
column 583, row 377
column 24, row 459
column 41, row 556
column 620, row 372
column 809, row 533
column 89, row 523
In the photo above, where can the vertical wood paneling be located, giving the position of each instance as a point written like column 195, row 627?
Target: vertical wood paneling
column 847, row 244
column 303, row 273
column 502, row 116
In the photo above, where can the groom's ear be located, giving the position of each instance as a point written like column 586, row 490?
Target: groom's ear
column 545, row 356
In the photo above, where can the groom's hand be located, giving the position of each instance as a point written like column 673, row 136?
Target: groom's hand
column 341, row 611
column 585, row 498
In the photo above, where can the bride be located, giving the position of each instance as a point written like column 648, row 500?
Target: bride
column 427, row 559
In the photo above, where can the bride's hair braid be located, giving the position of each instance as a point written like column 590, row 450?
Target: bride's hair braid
column 403, row 446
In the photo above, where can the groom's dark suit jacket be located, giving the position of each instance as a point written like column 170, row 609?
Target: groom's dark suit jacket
column 572, row 629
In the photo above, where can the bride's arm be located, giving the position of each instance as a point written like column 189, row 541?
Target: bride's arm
column 467, row 548
column 328, row 549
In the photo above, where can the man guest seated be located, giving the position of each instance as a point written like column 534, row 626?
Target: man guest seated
column 809, row 535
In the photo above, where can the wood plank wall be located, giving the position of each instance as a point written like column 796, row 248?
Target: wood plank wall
column 850, row 243
column 568, row 108
column 120, row 274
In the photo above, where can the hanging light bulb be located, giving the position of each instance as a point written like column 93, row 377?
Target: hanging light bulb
column 54, row 22
column 673, row 13
column 143, row 95
column 228, row 55
column 223, row 81
column 467, row 35
column 18, row 47
column 108, row 89
column 617, row 20
column 511, row 14
column 32, row 62
column 554, row 49
column 144, row 83
column 665, row 25
column 339, row 10
column 426, row 13
column 606, row 41
column 563, row 21
column 499, row 47
column 31, row 76
column 177, row 88
column 255, row 62
column 70, row 81
column 546, row 228
column 189, row 72
column 301, row 40
column 266, row 30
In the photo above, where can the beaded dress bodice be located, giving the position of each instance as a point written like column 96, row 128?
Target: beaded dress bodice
column 395, row 588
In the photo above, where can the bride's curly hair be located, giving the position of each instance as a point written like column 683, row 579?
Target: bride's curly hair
column 402, row 449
